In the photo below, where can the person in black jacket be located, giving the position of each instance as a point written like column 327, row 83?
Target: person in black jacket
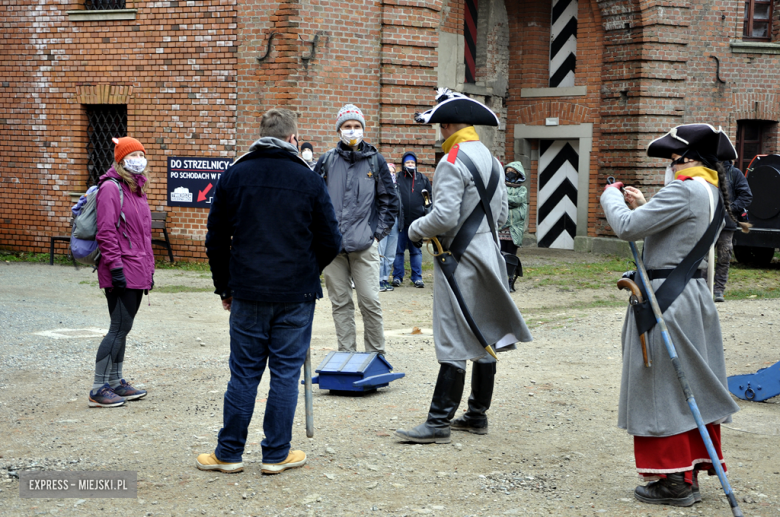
column 271, row 231
column 411, row 183
column 388, row 245
column 741, row 197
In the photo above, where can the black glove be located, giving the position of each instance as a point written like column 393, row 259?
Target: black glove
column 152, row 282
column 418, row 244
column 118, row 280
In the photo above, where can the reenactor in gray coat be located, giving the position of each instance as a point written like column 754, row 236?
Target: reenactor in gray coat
column 680, row 218
column 473, row 313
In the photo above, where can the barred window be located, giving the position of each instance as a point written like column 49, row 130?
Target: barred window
column 100, row 5
column 758, row 20
column 106, row 121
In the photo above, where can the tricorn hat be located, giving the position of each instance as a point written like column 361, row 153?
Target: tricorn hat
column 456, row 108
column 702, row 138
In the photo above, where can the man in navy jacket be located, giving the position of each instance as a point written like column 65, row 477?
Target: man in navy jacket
column 741, row 197
column 271, row 232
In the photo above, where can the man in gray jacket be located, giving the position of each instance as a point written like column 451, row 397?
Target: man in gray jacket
column 364, row 198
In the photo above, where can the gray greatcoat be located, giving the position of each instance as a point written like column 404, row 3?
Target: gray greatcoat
column 651, row 400
column 481, row 273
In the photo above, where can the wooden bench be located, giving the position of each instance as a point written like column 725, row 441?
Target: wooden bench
column 159, row 220
column 65, row 238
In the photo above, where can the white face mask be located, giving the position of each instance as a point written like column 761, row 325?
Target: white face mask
column 352, row 137
column 306, row 154
column 135, row 165
column 668, row 175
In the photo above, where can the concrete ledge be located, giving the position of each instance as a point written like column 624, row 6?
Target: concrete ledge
column 100, row 16
column 572, row 91
column 474, row 89
column 604, row 246
column 754, row 47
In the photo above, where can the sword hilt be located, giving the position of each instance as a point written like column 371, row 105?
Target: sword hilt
column 439, row 248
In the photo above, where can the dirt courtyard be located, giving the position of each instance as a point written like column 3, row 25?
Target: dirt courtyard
column 553, row 448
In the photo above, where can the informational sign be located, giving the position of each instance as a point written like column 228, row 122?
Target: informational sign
column 191, row 181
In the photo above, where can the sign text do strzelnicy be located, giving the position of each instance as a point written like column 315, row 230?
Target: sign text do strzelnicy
column 191, row 180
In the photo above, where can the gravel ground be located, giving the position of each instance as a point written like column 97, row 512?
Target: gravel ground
column 553, row 447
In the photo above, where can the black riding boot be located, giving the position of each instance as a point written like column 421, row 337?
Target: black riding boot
column 475, row 421
column 671, row 491
column 512, row 263
column 445, row 401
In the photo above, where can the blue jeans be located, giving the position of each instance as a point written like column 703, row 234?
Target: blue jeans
column 386, row 248
column 262, row 332
column 415, row 257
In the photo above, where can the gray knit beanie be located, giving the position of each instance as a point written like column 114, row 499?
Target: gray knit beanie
column 350, row 112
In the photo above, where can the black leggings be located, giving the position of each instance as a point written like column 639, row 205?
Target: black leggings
column 122, row 308
column 508, row 247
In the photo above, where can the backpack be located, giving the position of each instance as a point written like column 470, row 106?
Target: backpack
column 83, row 245
column 330, row 157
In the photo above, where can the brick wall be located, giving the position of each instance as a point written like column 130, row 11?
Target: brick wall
column 660, row 71
column 344, row 67
column 529, row 36
column 192, row 82
column 174, row 66
column 380, row 56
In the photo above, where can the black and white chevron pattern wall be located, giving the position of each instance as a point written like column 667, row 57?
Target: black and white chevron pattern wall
column 556, row 201
column 563, row 43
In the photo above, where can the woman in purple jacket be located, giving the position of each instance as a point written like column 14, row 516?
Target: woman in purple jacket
column 126, row 267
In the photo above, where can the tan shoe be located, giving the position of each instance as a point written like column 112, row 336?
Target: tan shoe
column 210, row 462
column 294, row 459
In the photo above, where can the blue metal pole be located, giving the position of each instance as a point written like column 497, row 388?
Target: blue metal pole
column 705, row 435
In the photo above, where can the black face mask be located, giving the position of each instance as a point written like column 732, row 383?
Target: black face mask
column 708, row 160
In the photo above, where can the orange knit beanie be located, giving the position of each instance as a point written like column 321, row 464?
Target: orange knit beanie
column 124, row 146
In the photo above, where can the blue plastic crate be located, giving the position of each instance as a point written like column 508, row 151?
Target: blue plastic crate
column 354, row 371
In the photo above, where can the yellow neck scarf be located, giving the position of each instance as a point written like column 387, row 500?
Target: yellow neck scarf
column 467, row 134
column 709, row 175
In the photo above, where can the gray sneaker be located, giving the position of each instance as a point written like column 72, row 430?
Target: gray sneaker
column 718, row 297
column 105, row 397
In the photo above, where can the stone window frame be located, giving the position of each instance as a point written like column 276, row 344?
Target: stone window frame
column 748, row 20
column 99, row 15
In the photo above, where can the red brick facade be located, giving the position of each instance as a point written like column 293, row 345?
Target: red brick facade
column 174, row 67
column 530, row 48
column 193, row 85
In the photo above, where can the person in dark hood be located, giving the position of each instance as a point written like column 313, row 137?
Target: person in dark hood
column 366, row 205
column 511, row 234
column 388, row 245
column 307, row 153
column 411, row 184
column 741, row 198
